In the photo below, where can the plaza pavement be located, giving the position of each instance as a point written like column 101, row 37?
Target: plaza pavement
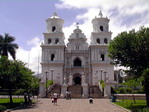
column 73, row 105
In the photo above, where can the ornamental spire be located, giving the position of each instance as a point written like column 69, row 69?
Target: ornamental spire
column 55, row 14
column 100, row 14
column 77, row 25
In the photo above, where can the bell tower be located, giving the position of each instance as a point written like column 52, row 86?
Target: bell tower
column 100, row 38
column 101, row 33
column 54, row 23
column 100, row 24
column 53, row 51
column 54, row 33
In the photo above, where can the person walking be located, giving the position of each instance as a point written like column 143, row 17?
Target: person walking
column 66, row 95
column 25, row 99
column 55, row 98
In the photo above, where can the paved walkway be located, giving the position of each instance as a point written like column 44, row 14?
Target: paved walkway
column 74, row 105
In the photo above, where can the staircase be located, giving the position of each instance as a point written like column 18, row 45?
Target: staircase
column 75, row 91
column 95, row 92
column 56, row 89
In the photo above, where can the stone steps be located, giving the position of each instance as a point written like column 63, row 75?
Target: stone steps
column 95, row 92
column 56, row 89
column 75, row 91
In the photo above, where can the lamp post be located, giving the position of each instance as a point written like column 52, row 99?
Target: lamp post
column 52, row 74
column 96, row 78
column 46, row 84
column 101, row 73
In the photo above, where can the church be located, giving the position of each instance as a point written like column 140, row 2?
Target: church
column 77, row 67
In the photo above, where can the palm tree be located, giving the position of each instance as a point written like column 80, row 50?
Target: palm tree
column 7, row 45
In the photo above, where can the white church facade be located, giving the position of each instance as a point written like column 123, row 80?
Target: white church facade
column 77, row 63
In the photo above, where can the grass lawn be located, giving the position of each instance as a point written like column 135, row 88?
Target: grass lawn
column 6, row 102
column 137, row 106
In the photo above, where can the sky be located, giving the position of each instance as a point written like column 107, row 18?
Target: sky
column 25, row 20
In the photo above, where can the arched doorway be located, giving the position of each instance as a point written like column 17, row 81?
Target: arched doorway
column 77, row 79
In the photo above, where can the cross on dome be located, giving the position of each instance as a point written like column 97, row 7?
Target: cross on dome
column 55, row 14
column 100, row 14
column 77, row 25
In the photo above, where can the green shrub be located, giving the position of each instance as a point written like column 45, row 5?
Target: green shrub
column 49, row 83
column 19, row 92
column 102, row 83
column 128, row 90
column 2, row 108
column 146, row 109
column 122, row 90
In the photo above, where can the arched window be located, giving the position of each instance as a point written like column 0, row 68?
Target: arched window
column 77, row 62
column 53, row 29
column 102, row 57
column 101, row 28
column 98, row 40
column 105, row 41
column 49, row 41
column 56, row 41
column 52, row 57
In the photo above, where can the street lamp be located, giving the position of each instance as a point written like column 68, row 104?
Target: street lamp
column 52, row 74
column 46, row 84
column 101, row 73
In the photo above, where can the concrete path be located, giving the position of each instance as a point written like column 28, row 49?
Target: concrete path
column 74, row 105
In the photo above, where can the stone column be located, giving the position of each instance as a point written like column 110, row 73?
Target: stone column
column 52, row 74
column 85, row 91
column 85, row 88
column 64, row 89
column 42, row 92
column 70, row 79
column 107, row 90
column 95, row 79
column 83, row 79
column 58, row 78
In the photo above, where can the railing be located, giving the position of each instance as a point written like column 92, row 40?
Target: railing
column 100, row 87
column 50, row 88
column 48, row 62
column 77, row 66
column 77, row 51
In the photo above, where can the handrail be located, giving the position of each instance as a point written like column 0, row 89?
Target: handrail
column 50, row 88
column 100, row 87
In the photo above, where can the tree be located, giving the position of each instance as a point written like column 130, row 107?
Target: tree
column 49, row 83
column 131, row 49
column 14, row 75
column 146, row 84
column 34, row 85
column 7, row 45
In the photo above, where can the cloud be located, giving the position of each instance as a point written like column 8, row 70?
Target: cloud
column 35, row 41
column 124, row 15
column 32, row 58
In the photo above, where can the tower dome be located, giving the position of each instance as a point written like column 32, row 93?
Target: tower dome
column 100, row 23
column 54, row 23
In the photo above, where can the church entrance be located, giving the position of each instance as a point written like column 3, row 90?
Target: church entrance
column 77, row 79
